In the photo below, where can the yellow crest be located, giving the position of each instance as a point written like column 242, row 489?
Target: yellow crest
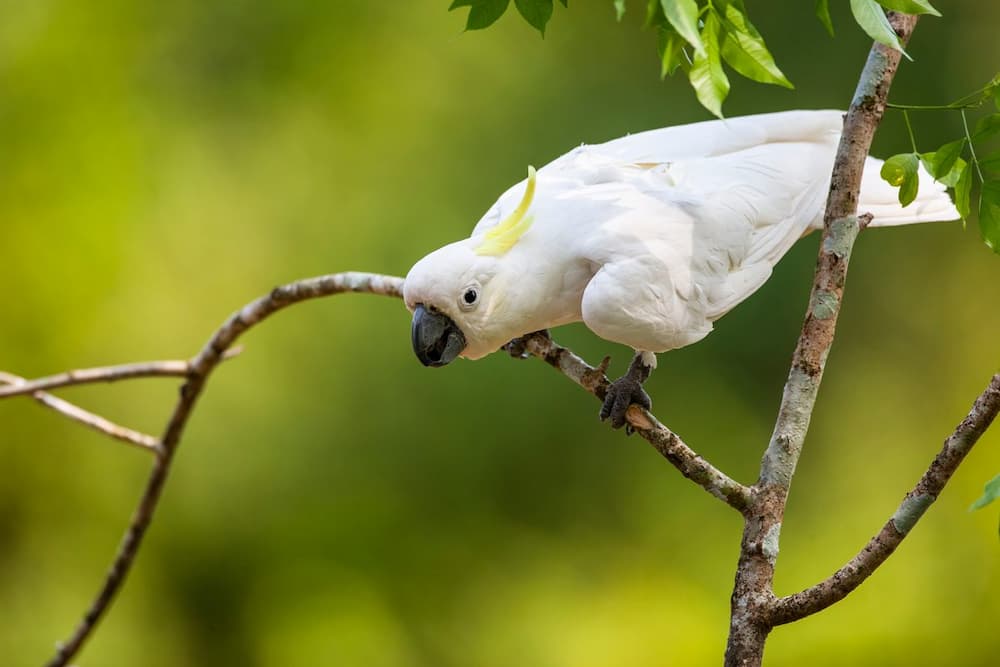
column 501, row 238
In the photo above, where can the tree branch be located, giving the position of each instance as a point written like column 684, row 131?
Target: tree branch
column 143, row 369
column 753, row 596
column 89, row 419
column 881, row 546
column 666, row 442
column 197, row 373
column 217, row 349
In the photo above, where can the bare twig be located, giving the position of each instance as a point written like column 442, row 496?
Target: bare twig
column 916, row 502
column 665, row 441
column 199, row 369
column 753, row 596
column 143, row 369
column 96, row 422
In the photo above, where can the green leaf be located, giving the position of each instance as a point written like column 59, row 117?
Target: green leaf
column 654, row 14
column 619, row 9
column 989, row 215
column 951, row 177
column 565, row 3
column 744, row 49
column 823, row 14
column 940, row 163
column 683, row 16
column 535, row 12
column 987, row 127
column 963, row 189
column 990, row 162
column 670, row 46
column 991, row 491
column 996, row 97
column 901, row 171
column 706, row 76
column 872, row 20
column 482, row 13
column 910, row 6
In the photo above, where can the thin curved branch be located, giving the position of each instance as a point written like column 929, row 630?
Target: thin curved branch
column 89, row 419
column 199, row 369
column 215, row 350
column 142, row 369
column 666, row 442
column 880, row 547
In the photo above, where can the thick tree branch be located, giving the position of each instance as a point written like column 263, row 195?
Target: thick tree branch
column 753, row 596
column 89, row 419
column 899, row 525
column 198, row 371
column 665, row 441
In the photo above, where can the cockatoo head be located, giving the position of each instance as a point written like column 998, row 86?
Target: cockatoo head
column 456, row 304
column 462, row 295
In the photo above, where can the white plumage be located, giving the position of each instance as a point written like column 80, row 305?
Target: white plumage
column 650, row 238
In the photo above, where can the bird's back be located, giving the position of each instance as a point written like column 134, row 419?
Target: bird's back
column 718, row 137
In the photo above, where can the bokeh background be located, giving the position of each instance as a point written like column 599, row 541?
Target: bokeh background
column 334, row 502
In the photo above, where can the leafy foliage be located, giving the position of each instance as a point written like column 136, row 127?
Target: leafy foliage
column 910, row 6
column 946, row 164
column 987, row 127
column 697, row 36
column 991, row 491
column 744, row 50
column 870, row 16
column 901, row 171
column 989, row 214
column 535, row 12
column 682, row 15
column 710, row 83
column 484, row 13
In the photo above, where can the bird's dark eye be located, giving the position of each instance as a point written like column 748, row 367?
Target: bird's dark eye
column 470, row 296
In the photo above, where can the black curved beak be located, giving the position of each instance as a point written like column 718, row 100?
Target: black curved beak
column 437, row 340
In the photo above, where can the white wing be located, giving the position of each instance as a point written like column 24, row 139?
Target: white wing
column 716, row 137
column 681, row 224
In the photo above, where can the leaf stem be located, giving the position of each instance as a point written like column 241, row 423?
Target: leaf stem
column 934, row 107
column 909, row 130
column 973, row 100
column 972, row 149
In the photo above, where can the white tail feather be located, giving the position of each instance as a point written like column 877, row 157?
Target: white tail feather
column 933, row 204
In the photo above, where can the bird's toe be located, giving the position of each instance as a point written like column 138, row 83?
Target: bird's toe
column 622, row 393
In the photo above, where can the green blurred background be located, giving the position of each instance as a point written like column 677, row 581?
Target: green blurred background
column 334, row 502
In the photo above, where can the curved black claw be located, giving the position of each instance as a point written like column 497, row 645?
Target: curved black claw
column 625, row 391
column 622, row 393
column 518, row 348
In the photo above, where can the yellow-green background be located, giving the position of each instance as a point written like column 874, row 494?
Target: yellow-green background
column 335, row 503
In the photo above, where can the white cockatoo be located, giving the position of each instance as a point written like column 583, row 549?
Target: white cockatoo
column 648, row 239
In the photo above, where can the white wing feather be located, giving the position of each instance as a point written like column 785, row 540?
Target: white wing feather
column 681, row 224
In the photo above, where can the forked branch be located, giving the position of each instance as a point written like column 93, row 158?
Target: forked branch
column 197, row 371
column 753, row 594
column 88, row 419
column 102, row 374
column 880, row 547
